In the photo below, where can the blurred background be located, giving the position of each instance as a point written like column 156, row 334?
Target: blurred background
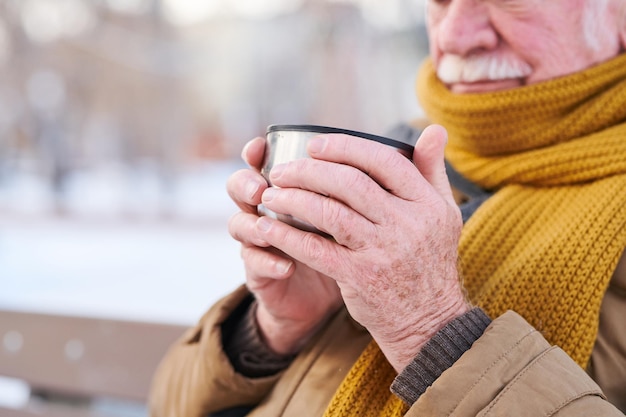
column 120, row 121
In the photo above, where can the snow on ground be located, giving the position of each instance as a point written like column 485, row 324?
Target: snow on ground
column 96, row 262
column 144, row 272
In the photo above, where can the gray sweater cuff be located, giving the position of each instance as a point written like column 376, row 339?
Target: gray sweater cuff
column 439, row 354
column 245, row 348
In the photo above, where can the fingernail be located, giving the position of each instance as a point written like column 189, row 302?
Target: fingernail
column 264, row 223
column 251, row 189
column 317, row 144
column 268, row 194
column 277, row 170
column 283, row 266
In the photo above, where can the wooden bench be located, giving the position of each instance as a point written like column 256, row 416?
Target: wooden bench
column 77, row 366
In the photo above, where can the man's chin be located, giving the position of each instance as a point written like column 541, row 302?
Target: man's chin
column 485, row 86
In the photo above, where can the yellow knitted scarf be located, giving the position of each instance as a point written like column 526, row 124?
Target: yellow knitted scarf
column 547, row 242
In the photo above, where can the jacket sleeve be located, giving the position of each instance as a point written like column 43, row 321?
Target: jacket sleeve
column 196, row 378
column 512, row 370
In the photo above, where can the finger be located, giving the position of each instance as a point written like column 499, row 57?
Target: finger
column 245, row 187
column 335, row 198
column 242, row 228
column 253, row 152
column 311, row 249
column 262, row 264
column 344, row 183
column 325, row 213
column 381, row 162
column 429, row 159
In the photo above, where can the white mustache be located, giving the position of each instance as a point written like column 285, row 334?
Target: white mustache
column 455, row 69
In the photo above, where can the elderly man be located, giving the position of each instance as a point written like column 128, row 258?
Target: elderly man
column 408, row 310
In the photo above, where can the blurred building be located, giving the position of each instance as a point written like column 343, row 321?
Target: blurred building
column 145, row 90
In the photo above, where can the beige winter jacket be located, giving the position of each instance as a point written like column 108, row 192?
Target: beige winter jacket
column 510, row 370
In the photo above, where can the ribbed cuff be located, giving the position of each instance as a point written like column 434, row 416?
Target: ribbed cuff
column 439, row 354
column 245, row 348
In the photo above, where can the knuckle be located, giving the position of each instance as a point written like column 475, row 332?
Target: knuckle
column 331, row 210
column 346, row 145
column 313, row 245
column 384, row 156
column 356, row 179
column 340, row 219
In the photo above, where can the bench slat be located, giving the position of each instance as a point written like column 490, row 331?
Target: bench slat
column 83, row 356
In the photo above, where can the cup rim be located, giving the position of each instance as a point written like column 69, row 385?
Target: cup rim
column 329, row 129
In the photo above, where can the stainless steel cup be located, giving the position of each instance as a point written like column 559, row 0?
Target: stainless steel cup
column 288, row 142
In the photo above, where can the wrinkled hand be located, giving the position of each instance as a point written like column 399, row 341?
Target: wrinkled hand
column 395, row 227
column 293, row 300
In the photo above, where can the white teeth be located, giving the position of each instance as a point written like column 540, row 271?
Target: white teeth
column 456, row 69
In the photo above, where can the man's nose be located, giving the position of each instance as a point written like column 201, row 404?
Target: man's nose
column 465, row 27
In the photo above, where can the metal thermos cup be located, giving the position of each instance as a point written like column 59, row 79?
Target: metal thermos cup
column 288, row 142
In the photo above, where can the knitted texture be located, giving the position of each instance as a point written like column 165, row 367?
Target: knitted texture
column 547, row 242
column 439, row 354
column 365, row 390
